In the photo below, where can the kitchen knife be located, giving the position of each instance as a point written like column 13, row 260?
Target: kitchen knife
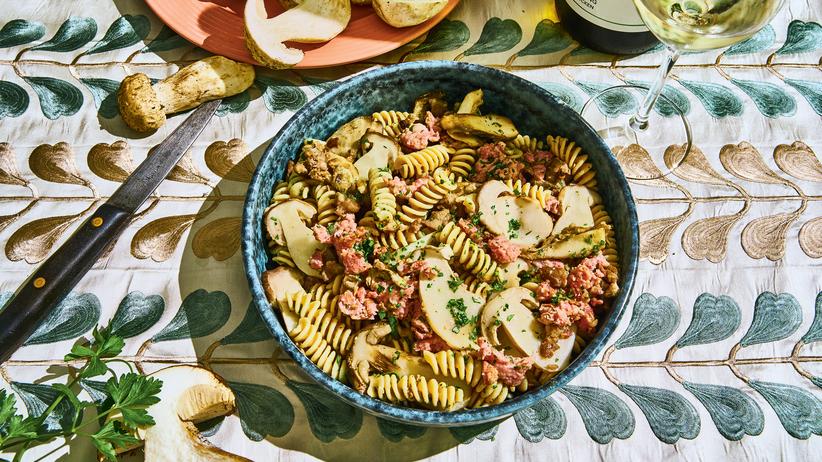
column 55, row 278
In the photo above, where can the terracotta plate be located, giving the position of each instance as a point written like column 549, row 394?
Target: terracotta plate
column 217, row 26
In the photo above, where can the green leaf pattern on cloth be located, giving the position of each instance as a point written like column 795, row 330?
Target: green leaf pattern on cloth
column 251, row 329
column 714, row 319
column 202, row 313
column 263, row 410
column 13, row 100
column 734, row 413
column 604, row 414
column 38, row 397
column 760, row 41
column 669, row 414
column 136, row 314
column 799, row 411
column 20, row 32
column 104, row 92
column 719, row 101
column 497, row 35
column 653, row 320
column 549, row 37
column 775, row 318
column 445, row 36
column 328, row 416
column 545, row 419
column 771, row 100
column 74, row 316
column 814, row 333
column 396, row 431
column 58, row 98
column 124, row 32
column 73, row 34
column 802, row 37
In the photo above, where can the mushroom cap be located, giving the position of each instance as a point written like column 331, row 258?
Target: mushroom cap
column 139, row 106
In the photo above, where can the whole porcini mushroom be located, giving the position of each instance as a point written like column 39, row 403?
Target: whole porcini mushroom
column 190, row 395
column 144, row 106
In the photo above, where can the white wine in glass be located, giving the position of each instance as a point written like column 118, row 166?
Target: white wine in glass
column 682, row 26
column 697, row 25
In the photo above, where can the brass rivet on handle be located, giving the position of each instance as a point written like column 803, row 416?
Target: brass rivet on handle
column 39, row 283
column 96, row 222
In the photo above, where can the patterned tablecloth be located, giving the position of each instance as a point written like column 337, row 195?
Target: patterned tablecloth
column 720, row 352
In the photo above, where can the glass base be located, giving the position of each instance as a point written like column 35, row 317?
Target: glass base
column 645, row 151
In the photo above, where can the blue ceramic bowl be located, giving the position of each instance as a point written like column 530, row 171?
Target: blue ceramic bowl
column 534, row 110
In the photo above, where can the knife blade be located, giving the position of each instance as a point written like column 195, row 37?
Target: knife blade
column 54, row 279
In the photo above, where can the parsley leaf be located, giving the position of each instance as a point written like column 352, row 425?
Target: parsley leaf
column 456, row 306
column 112, row 435
column 132, row 394
column 454, row 282
column 513, row 228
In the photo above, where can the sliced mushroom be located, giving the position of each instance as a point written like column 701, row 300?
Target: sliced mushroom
column 491, row 214
column 509, row 274
column 501, row 309
column 535, row 224
column 298, row 237
column 308, row 22
column 406, row 13
column 433, row 101
column 278, row 284
column 577, row 246
column 490, row 125
column 382, row 152
column 273, row 224
column 576, row 204
column 471, row 103
column 520, row 219
column 451, row 313
column 368, row 357
column 189, row 395
column 561, row 356
column 346, row 140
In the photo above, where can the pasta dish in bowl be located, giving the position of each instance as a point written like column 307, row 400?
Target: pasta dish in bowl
column 449, row 260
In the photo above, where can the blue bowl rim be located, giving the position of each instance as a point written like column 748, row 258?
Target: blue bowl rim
column 406, row 414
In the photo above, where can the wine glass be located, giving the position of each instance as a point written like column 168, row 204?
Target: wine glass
column 682, row 26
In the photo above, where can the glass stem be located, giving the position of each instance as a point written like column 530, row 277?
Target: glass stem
column 640, row 120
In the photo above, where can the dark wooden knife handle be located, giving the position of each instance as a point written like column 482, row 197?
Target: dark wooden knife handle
column 55, row 278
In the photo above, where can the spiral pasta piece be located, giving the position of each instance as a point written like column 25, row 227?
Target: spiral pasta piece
column 525, row 143
column 525, row 189
column 398, row 239
column 462, row 162
column 421, row 163
column 383, row 203
column 322, row 324
column 489, row 395
column 427, row 196
column 281, row 256
column 300, row 187
column 280, row 193
column 326, row 204
column 603, row 220
column 478, row 286
column 430, row 393
column 455, row 364
column 582, row 172
column 323, row 355
column 467, row 252
column 393, row 122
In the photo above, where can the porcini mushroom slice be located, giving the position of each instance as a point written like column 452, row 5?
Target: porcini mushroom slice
column 577, row 246
column 367, row 357
column 347, row 139
column 298, row 236
column 381, row 153
column 189, row 395
column 490, row 210
column 489, row 125
column 509, row 274
column 308, row 22
column 561, row 356
column 534, row 224
column 575, row 202
column 502, row 309
column 451, row 313
column 471, row 102
column 405, row 13
column 278, row 284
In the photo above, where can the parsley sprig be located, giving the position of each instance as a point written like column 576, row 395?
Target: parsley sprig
column 124, row 409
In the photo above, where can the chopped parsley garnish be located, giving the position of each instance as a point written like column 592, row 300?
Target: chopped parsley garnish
column 498, row 285
column 380, row 289
column 456, row 306
column 439, row 273
column 475, row 218
column 365, row 248
column 497, row 322
column 510, row 317
column 513, row 228
column 475, row 333
column 589, row 239
column 454, row 282
column 396, row 357
column 330, row 227
column 559, row 296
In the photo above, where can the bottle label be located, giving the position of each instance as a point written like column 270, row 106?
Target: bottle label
column 616, row 15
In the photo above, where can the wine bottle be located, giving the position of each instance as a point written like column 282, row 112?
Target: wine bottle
column 609, row 26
